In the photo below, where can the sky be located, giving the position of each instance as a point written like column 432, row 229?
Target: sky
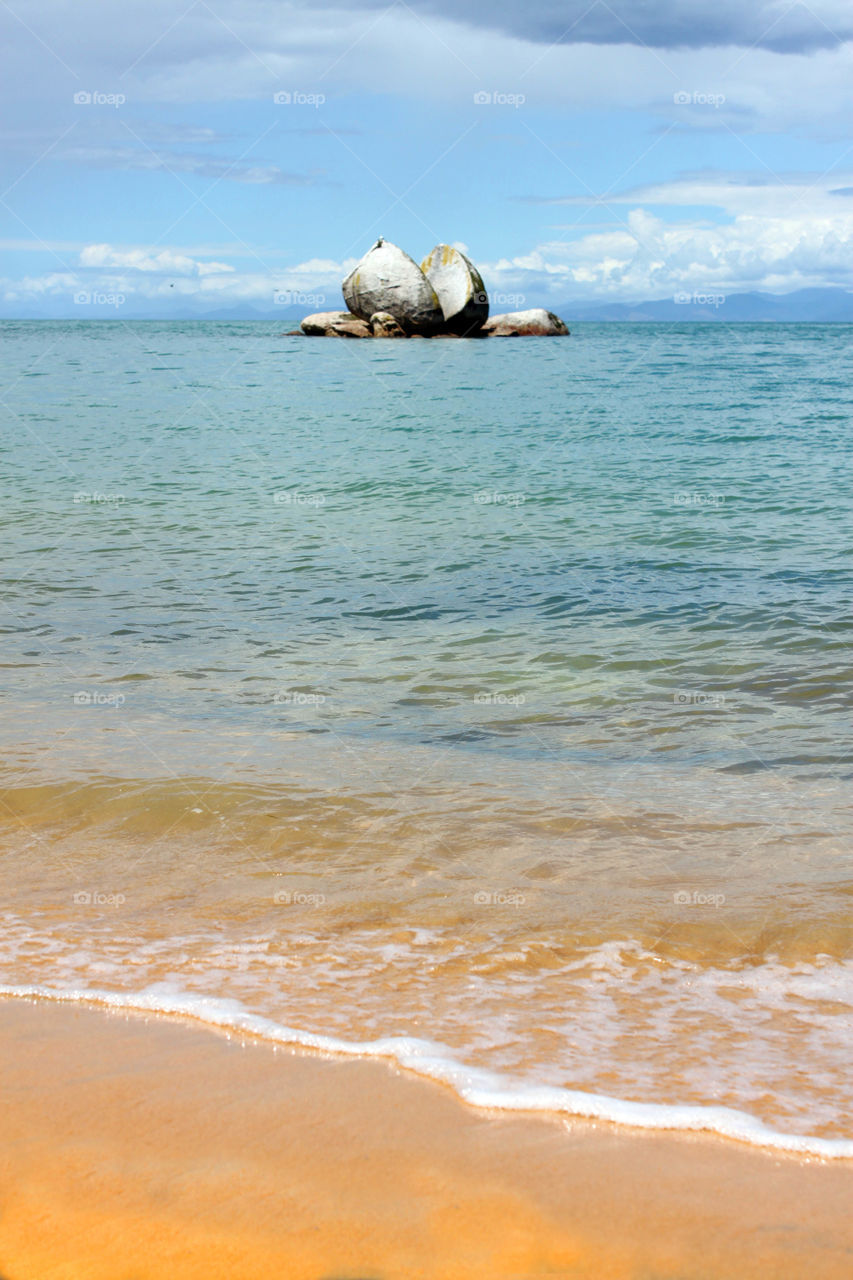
column 211, row 154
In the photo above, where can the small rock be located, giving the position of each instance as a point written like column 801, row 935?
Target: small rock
column 383, row 325
column 537, row 322
column 386, row 279
column 335, row 324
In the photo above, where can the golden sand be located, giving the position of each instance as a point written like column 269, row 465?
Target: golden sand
column 135, row 1148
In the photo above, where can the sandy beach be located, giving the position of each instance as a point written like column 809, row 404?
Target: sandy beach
column 137, row 1147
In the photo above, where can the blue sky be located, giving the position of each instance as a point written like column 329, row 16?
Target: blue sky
column 230, row 152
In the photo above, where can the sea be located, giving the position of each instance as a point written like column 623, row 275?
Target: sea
column 480, row 705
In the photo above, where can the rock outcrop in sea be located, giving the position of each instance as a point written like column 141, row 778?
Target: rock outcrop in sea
column 389, row 296
column 537, row 322
column 336, row 324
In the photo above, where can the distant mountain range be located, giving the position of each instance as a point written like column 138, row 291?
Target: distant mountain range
column 803, row 306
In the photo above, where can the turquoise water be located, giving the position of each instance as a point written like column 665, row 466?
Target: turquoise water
column 573, row 614
column 644, row 519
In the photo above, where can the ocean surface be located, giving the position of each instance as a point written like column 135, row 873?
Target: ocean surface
column 485, row 705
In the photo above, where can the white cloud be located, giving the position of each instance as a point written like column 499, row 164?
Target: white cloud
column 781, row 233
column 55, row 284
column 647, row 258
column 166, row 262
column 761, row 193
column 142, row 276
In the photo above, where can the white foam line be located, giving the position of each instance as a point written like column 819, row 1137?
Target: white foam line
column 475, row 1086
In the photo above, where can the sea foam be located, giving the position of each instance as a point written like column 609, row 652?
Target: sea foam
column 477, row 1087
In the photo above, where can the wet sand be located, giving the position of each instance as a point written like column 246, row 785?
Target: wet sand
column 136, row 1147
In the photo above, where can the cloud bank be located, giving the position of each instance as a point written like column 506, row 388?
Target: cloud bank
column 780, row 236
column 661, row 24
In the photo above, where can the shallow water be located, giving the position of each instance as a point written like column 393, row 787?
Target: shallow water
column 492, row 694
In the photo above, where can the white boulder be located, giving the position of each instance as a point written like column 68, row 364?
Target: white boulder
column 459, row 287
column 386, row 279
